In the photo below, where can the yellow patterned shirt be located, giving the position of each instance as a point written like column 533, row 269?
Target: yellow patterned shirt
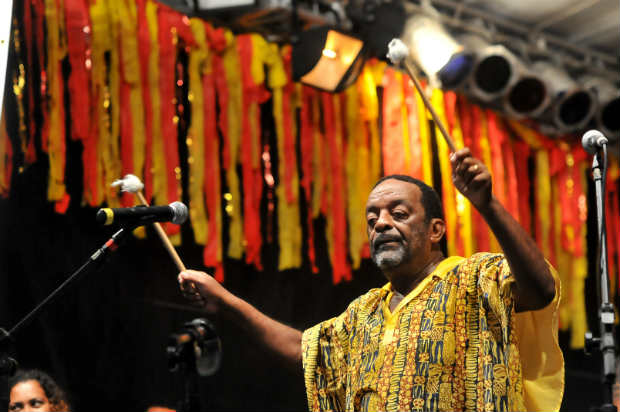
column 454, row 343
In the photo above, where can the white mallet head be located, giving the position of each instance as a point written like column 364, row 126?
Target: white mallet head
column 129, row 183
column 397, row 51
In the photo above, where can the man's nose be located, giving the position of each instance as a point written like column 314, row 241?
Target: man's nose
column 384, row 222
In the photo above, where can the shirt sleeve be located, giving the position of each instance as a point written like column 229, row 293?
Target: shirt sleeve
column 536, row 332
column 542, row 362
column 324, row 352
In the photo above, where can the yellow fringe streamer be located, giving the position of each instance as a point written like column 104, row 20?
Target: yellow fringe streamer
column 195, row 135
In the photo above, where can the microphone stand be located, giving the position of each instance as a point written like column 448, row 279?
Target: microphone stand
column 8, row 365
column 605, row 343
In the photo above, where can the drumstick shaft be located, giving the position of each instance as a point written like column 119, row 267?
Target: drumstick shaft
column 430, row 107
column 164, row 238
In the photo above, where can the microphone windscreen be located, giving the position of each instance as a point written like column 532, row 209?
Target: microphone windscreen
column 180, row 212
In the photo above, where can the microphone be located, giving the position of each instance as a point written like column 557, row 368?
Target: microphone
column 593, row 140
column 175, row 212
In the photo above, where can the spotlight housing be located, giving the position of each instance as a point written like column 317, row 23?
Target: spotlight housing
column 327, row 59
column 499, row 76
column 435, row 51
column 607, row 117
column 572, row 106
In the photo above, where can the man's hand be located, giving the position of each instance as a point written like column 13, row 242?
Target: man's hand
column 202, row 290
column 472, row 178
column 535, row 286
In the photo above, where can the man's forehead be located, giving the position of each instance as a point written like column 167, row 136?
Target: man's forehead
column 395, row 189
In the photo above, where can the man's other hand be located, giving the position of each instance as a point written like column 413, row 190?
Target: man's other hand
column 472, row 178
column 202, row 290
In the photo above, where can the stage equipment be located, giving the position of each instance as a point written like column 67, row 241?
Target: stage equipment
column 498, row 76
column 572, row 106
column 132, row 184
column 195, row 351
column 607, row 117
column 595, row 142
column 434, row 50
column 175, row 212
column 326, row 58
column 397, row 54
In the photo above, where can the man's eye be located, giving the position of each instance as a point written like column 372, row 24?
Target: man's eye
column 399, row 215
column 371, row 221
column 36, row 403
column 15, row 407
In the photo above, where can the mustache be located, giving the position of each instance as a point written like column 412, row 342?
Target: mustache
column 379, row 240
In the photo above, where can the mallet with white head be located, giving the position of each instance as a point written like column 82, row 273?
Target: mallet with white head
column 132, row 184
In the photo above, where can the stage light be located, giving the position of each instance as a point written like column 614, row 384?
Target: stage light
column 498, row 76
column 327, row 59
column 572, row 106
column 607, row 117
column 434, row 50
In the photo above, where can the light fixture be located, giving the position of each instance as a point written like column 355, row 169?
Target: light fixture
column 326, row 58
column 498, row 76
column 434, row 50
column 572, row 106
column 607, row 117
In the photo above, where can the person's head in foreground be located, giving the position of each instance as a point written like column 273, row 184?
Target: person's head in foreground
column 35, row 390
column 405, row 225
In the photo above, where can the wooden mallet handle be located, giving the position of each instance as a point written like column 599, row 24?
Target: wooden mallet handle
column 164, row 238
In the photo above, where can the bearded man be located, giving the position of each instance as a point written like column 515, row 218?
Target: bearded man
column 445, row 334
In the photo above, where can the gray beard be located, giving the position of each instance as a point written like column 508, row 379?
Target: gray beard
column 389, row 259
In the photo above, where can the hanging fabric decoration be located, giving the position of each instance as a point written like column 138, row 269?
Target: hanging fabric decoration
column 55, row 129
column 320, row 161
column 465, row 240
column 253, row 55
column 148, row 57
column 566, row 170
column 6, row 159
column 452, row 205
column 82, row 100
column 228, row 86
column 396, row 145
column 306, row 140
column 369, row 101
column 132, row 114
column 425, row 138
column 285, row 102
column 613, row 221
column 104, row 86
column 415, row 159
column 78, row 50
column 196, row 134
column 336, row 217
column 357, row 170
column 172, row 27
column 203, row 149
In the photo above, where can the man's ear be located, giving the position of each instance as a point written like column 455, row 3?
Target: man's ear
column 436, row 230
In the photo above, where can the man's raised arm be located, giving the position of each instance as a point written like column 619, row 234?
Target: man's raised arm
column 282, row 340
column 535, row 287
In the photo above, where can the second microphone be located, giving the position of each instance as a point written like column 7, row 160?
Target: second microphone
column 175, row 212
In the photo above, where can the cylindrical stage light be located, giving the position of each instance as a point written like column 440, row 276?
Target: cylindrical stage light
column 326, row 58
column 435, row 51
column 607, row 117
column 499, row 76
column 572, row 106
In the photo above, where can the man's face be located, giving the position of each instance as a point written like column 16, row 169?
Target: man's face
column 395, row 221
